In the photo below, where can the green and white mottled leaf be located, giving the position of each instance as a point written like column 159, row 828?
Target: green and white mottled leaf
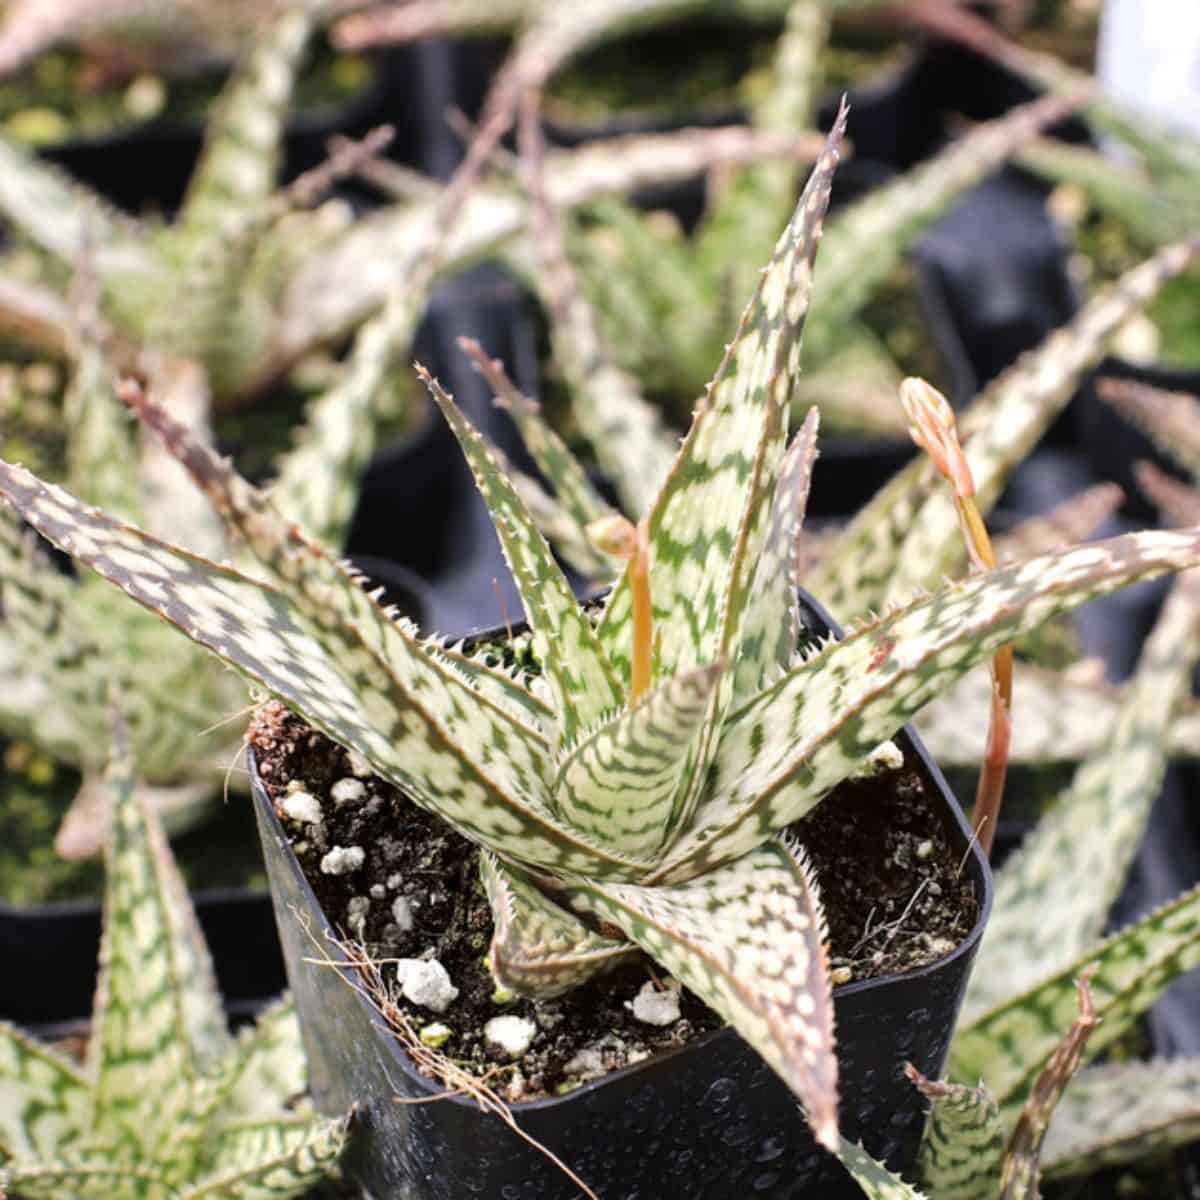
column 783, row 751
column 1177, row 502
column 1071, row 520
column 269, row 1160
column 243, row 144
column 1171, row 419
column 907, row 536
column 708, row 526
column 1054, row 894
column 963, row 1144
column 158, row 1020
column 1021, row 1175
column 1118, row 1113
column 619, row 781
column 572, row 488
column 1065, row 716
column 866, row 240
column 1010, row 1045
column 582, row 683
column 266, row 1064
column 631, row 443
column 47, row 1100
column 486, row 779
column 749, row 940
column 876, row 1181
column 1151, row 209
column 334, row 289
column 89, row 1178
column 316, row 482
column 538, row 947
column 771, row 626
column 101, row 452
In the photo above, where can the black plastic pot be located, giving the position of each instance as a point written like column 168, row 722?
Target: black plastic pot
column 709, row 1121
column 50, row 952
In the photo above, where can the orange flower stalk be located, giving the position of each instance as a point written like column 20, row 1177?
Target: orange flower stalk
column 619, row 537
column 931, row 426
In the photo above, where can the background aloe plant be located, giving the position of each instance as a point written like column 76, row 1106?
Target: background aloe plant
column 249, row 280
column 735, row 739
column 167, row 1104
column 1052, row 902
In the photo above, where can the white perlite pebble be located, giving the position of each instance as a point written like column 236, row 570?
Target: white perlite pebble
column 402, row 914
column 341, row 860
column 303, row 807
column 348, row 791
column 425, row 983
column 511, row 1035
column 887, row 756
column 652, row 1007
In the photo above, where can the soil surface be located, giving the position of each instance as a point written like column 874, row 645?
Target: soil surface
column 892, row 886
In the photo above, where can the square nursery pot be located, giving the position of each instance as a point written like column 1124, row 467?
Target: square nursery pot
column 709, row 1121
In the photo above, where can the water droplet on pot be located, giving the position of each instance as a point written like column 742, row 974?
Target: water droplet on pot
column 771, row 1149
column 720, row 1093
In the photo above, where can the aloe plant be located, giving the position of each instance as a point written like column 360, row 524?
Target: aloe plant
column 1051, row 906
column 166, row 1105
column 169, row 36
column 736, row 735
column 67, row 641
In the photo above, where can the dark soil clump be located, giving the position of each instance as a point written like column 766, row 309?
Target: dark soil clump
column 406, row 886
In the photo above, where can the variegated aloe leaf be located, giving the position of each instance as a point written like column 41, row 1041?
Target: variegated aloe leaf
column 564, row 473
column 749, row 940
column 1172, row 419
column 159, row 1023
column 538, row 947
column 1154, row 211
column 377, row 687
column 1053, row 896
column 627, row 434
column 265, row 1160
column 1065, row 717
column 265, row 1064
column 876, row 1181
column 1157, row 140
column 47, row 1099
column 582, row 683
column 907, row 536
column 785, row 749
column 867, row 239
column 242, row 150
column 1178, row 503
column 101, row 452
column 316, row 483
column 618, row 781
column 1121, row 1112
column 963, row 1144
column 335, row 288
column 89, row 1177
column 1071, row 520
column 1009, row 1045
column 53, row 651
column 771, row 628
column 1021, row 1176
column 709, row 523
